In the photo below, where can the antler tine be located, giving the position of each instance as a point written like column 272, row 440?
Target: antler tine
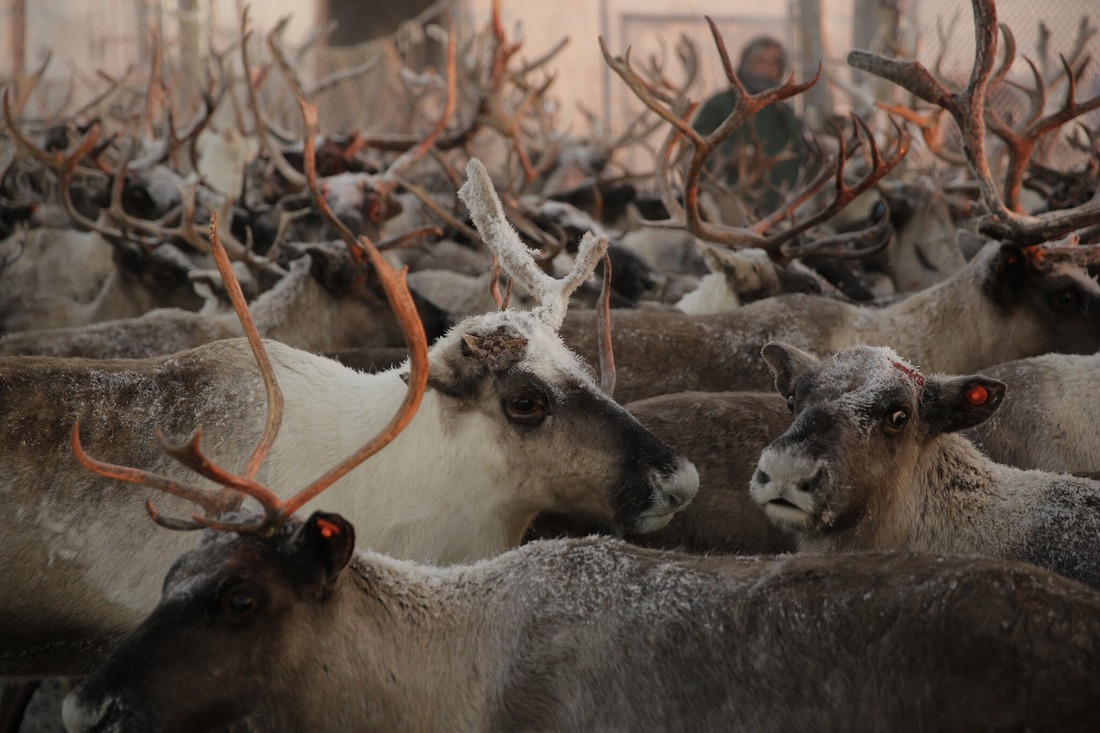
column 405, row 239
column 1080, row 255
column 271, row 384
column 31, row 84
column 54, row 161
column 67, row 169
column 603, row 334
column 418, row 151
column 309, row 158
column 285, row 169
column 517, row 260
column 494, row 283
column 22, row 140
column 1021, row 143
column 401, row 300
column 190, row 454
column 214, row 502
column 441, row 213
column 745, row 106
column 494, row 286
column 849, row 245
column 931, row 127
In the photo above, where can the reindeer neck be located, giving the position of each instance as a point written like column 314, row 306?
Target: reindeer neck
column 397, row 646
column 914, row 326
column 424, row 497
column 284, row 312
column 942, row 508
column 115, row 300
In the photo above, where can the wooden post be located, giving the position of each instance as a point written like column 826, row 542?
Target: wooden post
column 191, row 14
column 875, row 28
column 817, row 101
column 18, row 15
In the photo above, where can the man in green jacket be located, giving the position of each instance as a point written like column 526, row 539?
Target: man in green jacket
column 773, row 130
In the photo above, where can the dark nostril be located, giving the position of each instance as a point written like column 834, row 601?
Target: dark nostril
column 812, row 484
column 674, row 500
column 761, row 477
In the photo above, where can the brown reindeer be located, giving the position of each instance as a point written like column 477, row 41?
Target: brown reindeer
column 1015, row 302
column 722, row 434
column 328, row 301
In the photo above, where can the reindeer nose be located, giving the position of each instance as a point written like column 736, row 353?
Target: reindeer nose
column 675, row 500
column 761, row 477
column 813, row 483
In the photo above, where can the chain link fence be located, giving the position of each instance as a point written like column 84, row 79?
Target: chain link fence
column 944, row 34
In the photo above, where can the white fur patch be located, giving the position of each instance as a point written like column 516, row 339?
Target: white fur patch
column 713, row 295
column 787, row 470
column 675, row 492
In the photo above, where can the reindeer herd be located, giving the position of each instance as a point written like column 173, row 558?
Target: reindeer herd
column 764, row 475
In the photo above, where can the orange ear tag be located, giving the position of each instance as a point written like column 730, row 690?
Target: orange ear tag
column 977, row 395
column 328, row 529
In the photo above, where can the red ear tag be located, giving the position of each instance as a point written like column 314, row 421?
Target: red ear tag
column 1012, row 260
column 328, row 529
column 1036, row 254
column 977, row 395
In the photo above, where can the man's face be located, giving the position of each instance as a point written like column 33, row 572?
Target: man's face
column 767, row 63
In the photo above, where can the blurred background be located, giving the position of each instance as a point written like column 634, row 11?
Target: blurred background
column 89, row 42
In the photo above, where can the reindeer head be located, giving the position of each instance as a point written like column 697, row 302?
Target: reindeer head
column 861, row 421
column 539, row 401
column 1048, row 294
column 359, row 313
column 237, row 592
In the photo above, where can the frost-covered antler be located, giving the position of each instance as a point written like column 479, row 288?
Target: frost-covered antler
column 516, row 258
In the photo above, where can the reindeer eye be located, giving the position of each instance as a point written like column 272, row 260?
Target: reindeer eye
column 238, row 601
column 528, row 408
column 1064, row 298
column 790, row 403
column 166, row 278
column 897, row 418
column 241, row 603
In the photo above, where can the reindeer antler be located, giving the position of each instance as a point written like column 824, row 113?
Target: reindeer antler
column 275, row 510
column 968, row 108
column 516, row 258
column 215, row 503
column 765, row 234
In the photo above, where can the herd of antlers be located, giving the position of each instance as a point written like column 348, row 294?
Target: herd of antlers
column 507, row 100
column 782, row 233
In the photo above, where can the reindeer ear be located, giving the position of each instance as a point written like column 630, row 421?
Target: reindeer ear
column 787, row 363
column 951, row 404
column 1010, row 272
column 323, row 546
column 742, row 271
column 331, row 268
